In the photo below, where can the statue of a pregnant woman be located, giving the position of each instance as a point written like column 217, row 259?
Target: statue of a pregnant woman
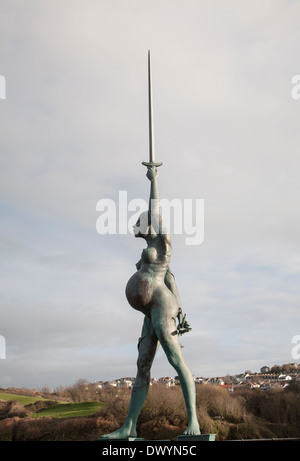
column 152, row 291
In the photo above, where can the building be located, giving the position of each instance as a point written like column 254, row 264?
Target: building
column 265, row 369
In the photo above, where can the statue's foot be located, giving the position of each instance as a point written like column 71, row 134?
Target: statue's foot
column 123, row 433
column 192, row 429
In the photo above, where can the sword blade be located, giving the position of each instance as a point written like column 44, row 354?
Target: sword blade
column 151, row 162
column 150, row 106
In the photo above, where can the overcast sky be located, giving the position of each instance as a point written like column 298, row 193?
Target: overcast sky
column 74, row 130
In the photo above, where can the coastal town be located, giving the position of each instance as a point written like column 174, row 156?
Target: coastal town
column 277, row 376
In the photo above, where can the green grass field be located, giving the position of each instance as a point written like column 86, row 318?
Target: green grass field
column 22, row 399
column 61, row 410
column 69, row 410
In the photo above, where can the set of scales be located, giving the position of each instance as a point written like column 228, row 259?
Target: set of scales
column 152, row 290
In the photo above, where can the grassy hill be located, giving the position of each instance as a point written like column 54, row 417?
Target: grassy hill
column 22, row 399
column 69, row 410
column 39, row 407
column 242, row 414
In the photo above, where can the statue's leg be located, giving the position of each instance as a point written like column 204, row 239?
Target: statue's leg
column 147, row 347
column 163, row 321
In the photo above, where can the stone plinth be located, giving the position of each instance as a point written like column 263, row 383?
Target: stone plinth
column 197, row 438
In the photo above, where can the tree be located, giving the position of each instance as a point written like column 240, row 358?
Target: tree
column 294, row 386
column 79, row 391
column 276, row 369
column 46, row 390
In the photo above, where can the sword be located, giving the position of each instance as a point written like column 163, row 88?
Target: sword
column 151, row 162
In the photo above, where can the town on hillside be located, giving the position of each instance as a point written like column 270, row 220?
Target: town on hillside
column 278, row 376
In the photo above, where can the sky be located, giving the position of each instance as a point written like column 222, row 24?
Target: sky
column 74, row 131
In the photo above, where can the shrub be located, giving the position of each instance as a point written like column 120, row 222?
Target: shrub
column 275, row 406
column 219, row 402
column 162, row 401
column 115, row 406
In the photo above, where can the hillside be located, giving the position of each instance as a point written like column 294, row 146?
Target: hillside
column 243, row 414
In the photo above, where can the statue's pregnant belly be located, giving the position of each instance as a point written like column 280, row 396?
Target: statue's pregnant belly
column 139, row 291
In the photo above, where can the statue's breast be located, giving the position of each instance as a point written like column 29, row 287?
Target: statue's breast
column 149, row 255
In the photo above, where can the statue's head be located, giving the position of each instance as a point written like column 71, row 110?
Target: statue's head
column 147, row 225
column 142, row 226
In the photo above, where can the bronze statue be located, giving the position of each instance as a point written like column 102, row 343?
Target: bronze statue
column 152, row 290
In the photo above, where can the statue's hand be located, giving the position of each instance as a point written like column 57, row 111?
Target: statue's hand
column 151, row 173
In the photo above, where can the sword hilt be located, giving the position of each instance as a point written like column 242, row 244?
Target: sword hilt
column 151, row 164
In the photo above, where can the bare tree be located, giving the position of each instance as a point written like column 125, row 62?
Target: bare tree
column 79, row 391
